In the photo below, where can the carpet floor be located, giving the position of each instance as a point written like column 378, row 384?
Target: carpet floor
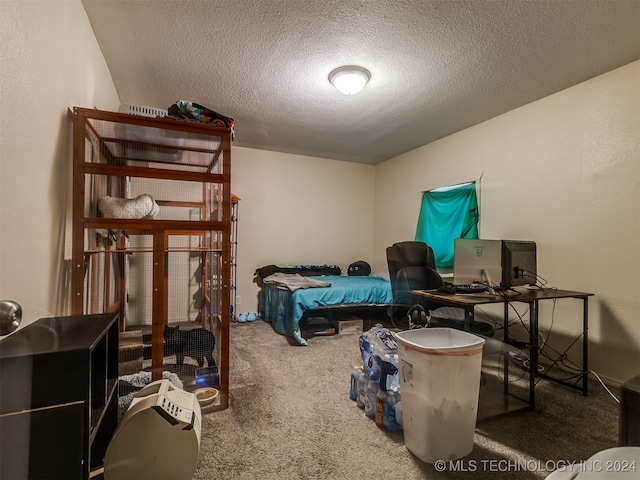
column 290, row 417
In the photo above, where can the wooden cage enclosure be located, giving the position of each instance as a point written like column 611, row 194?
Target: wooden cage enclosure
column 151, row 237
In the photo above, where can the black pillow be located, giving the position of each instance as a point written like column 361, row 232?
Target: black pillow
column 359, row 268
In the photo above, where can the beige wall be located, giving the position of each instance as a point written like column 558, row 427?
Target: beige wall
column 50, row 63
column 297, row 209
column 563, row 171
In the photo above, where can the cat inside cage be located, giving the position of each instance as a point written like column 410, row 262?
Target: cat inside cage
column 189, row 340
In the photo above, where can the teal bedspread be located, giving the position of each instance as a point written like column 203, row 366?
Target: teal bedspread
column 284, row 309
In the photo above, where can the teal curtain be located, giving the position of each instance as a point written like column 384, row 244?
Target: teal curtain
column 447, row 214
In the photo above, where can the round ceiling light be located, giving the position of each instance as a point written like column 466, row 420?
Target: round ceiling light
column 349, row 79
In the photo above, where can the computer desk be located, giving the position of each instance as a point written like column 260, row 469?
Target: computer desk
column 532, row 297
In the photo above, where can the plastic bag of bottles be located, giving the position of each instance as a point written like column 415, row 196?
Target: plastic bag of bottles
column 377, row 381
column 375, row 343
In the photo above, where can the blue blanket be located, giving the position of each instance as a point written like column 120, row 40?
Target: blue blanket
column 284, row 309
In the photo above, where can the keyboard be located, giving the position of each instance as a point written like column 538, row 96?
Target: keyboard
column 470, row 288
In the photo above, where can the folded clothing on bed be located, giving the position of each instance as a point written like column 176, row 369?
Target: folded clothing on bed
column 304, row 270
column 293, row 281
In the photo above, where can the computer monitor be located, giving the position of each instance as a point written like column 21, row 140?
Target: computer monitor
column 518, row 263
column 477, row 261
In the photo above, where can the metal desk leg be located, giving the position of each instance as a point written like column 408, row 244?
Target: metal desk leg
column 585, row 344
column 468, row 318
column 505, row 339
column 505, row 323
column 533, row 357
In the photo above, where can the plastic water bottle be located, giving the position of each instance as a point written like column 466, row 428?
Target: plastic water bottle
column 353, row 389
column 361, row 389
column 373, row 365
column 388, row 395
column 381, row 398
column 391, row 371
column 391, row 415
column 370, row 396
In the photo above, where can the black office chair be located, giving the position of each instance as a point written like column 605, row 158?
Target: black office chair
column 412, row 266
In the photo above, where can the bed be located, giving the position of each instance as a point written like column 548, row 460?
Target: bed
column 284, row 307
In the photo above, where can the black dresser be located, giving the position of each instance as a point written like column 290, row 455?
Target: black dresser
column 58, row 397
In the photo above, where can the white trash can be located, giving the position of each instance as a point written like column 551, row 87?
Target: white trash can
column 439, row 386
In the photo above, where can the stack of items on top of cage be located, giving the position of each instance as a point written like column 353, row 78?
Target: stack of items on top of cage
column 375, row 385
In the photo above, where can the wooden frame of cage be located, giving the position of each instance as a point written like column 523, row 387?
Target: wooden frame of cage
column 107, row 276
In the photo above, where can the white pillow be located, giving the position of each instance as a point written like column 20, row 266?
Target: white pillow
column 382, row 273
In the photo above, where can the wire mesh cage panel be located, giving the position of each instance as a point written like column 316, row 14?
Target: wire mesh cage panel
column 136, row 144
column 103, row 268
column 138, row 294
column 151, row 237
column 135, row 198
column 192, row 302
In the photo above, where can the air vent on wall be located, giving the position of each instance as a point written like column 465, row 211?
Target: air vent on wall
column 143, row 111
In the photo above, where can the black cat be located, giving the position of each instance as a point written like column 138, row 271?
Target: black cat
column 197, row 343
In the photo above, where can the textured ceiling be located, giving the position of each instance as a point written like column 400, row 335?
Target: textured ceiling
column 436, row 66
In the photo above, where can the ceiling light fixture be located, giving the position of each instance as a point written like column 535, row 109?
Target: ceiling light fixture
column 349, row 79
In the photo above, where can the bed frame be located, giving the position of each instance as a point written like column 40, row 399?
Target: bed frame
column 286, row 309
